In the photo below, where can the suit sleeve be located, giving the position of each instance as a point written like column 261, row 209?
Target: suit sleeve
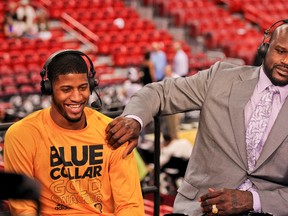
column 170, row 96
column 274, row 201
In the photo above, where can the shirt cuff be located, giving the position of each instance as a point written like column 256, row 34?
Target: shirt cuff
column 137, row 119
column 256, row 201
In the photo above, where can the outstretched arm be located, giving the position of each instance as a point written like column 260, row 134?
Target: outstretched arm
column 159, row 98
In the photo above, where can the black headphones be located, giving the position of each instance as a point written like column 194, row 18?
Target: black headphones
column 46, row 87
column 262, row 49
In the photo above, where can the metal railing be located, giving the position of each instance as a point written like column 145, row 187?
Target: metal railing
column 156, row 187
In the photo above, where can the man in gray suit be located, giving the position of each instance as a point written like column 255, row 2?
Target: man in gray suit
column 218, row 168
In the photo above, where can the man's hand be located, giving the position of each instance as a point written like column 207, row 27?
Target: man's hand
column 121, row 130
column 227, row 201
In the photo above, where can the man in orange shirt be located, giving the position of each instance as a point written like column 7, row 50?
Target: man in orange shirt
column 64, row 148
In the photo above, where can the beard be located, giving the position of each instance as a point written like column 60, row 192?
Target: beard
column 271, row 74
column 72, row 120
column 64, row 114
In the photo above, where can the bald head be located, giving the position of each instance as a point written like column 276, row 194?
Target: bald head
column 155, row 46
column 177, row 45
column 280, row 32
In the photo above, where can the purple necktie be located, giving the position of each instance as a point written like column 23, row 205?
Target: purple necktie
column 255, row 130
column 257, row 126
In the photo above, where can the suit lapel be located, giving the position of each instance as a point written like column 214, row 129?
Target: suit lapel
column 241, row 92
column 277, row 134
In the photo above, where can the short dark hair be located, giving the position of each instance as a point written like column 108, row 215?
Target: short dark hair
column 147, row 55
column 167, row 137
column 65, row 64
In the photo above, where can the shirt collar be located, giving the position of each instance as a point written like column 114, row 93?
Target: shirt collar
column 264, row 82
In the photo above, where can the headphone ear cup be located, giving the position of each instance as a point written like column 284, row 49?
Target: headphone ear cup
column 46, row 87
column 262, row 49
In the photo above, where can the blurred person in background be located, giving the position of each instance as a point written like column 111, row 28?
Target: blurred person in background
column 179, row 148
column 12, row 27
column 147, row 69
column 159, row 59
column 27, row 14
column 132, row 84
column 11, row 10
column 180, row 63
column 170, row 123
column 43, row 24
column 174, row 157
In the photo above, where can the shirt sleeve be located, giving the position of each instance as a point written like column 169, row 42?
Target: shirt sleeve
column 256, row 201
column 126, row 187
column 136, row 118
column 18, row 158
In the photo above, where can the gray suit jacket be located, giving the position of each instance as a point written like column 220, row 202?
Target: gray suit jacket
column 219, row 156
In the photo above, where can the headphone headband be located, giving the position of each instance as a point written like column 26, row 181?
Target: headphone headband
column 46, row 87
column 268, row 31
column 262, row 49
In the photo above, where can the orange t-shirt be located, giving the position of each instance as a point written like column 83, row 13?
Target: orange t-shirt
column 78, row 172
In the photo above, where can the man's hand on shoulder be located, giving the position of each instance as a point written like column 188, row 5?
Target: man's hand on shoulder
column 122, row 130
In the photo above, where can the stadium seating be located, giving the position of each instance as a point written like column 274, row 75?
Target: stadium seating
column 121, row 34
column 234, row 26
column 125, row 42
